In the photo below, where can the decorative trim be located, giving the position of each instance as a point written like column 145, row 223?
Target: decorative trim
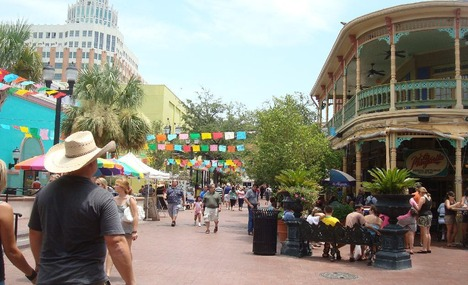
column 399, row 140
column 463, row 31
column 464, row 143
column 452, row 142
column 397, row 36
column 359, row 145
column 359, row 50
column 450, row 31
column 385, row 38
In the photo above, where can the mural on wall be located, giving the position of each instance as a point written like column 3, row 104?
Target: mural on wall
column 427, row 163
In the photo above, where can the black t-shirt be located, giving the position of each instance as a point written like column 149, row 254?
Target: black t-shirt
column 74, row 215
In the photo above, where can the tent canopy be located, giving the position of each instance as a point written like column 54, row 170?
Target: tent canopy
column 138, row 165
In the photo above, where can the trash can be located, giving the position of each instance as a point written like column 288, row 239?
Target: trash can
column 265, row 231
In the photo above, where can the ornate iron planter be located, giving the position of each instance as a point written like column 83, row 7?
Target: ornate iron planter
column 393, row 255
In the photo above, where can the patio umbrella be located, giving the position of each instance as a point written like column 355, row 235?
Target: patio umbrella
column 340, row 179
column 33, row 163
column 128, row 170
column 108, row 167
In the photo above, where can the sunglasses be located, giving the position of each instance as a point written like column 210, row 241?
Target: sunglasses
column 98, row 184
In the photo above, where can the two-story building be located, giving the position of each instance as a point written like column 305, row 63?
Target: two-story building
column 393, row 92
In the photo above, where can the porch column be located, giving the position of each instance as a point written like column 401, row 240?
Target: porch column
column 458, row 78
column 345, row 162
column 358, row 165
column 458, row 170
column 326, row 109
column 392, row 64
column 334, row 98
column 358, row 82
column 345, row 93
column 393, row 151
column 387, row 150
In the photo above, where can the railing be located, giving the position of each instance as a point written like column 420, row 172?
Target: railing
column 374, row 99
column 417, row 94
column 432, row 93
column 15, row 192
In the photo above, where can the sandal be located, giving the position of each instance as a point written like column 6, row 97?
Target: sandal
column 207, row 231
column 422, row 251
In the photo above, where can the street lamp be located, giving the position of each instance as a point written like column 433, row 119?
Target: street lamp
column 72, row 75
column 167, row 128
column 16, row 156
column 178, row 129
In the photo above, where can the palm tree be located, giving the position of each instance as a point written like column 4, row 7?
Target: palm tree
column 108, row 109
column 389, row 181
column 16, row 55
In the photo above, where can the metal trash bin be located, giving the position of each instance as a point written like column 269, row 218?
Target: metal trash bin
column 265, row 231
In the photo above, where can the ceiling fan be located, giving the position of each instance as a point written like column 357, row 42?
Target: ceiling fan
column 373, row 72
column 399, row 53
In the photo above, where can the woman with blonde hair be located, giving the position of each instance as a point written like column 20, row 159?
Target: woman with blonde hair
column 425, row 219
column 101, row 182
column 7, row 237
column 124, row 200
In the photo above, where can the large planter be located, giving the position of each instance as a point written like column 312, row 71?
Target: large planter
column 282, row 231
column 393, row 205
column 393, row 255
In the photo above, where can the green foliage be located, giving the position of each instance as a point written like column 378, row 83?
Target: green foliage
column 340, row 211
column 305, row 195
column 15, row 54
column 389, row 181
column 294, row 178
column 108, row 109
column 289, row 138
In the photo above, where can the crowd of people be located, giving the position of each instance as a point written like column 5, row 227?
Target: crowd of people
column 78, row 232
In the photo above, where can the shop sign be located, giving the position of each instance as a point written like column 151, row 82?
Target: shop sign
column 427, row 163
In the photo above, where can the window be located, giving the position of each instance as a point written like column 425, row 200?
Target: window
column 76, row 44
column 83, row 44
column 35, row 35
column 96, row 39
column 89, row 44
column 66, row 34
column 113, row 44
column 77, row 33
column 53, row 35
column 58, row 65
column 70, row 44
column 41, row 34
column 72, row 33
column 47, row 35
column 58, row 76
column 90, row 33
column 60, row 35
column 84, row 33
column 108, row 42
column 101, row 40
column 61, row 54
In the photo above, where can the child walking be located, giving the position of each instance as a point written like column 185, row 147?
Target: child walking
column 197, row 211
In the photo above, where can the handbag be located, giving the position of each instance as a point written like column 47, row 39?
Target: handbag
column 127, row 214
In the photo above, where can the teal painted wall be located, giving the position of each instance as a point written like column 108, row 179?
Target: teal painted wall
column 18, row 111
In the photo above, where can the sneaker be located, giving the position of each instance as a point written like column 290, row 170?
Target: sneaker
column 173, row 224
column 199, row 224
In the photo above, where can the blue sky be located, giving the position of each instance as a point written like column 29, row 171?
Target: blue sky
column 241, row 50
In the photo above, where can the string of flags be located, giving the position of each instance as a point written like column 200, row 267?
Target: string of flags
column 224, row 166
column 38, row 133
column 196, row 148
column 17, row 85
column 199, row 136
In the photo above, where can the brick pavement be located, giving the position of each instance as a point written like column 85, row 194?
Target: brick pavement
column 186, row 255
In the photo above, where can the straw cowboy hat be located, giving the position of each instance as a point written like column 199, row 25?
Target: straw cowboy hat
column 78, row 150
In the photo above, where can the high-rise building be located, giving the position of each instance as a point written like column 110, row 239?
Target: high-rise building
column 89, row 37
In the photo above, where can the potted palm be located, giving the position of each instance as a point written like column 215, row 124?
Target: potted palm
column 389, row 187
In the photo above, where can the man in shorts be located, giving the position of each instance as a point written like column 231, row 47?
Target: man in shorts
column 211, row 207
column 175, row 196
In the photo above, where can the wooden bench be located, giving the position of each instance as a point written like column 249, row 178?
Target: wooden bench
column 337, row 236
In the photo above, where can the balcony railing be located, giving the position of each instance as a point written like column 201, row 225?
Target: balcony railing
column 417, row 94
